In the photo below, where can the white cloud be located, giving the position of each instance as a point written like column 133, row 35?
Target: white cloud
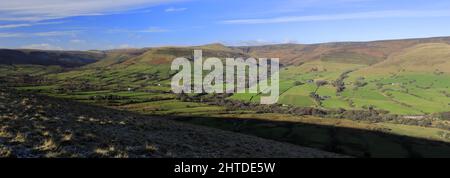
column 289, row 41
column 116, row 30
column 148, row 30
column 14, row 25
column 77, row 41
column 56, row 33
column 125, row 46
column 172, row 9
column 154, row 30
column 346, row 16
column 39, row 34
column 259, row 42
column 27, row 24
column 10, row 35
column 33, row 10
column 42, row 46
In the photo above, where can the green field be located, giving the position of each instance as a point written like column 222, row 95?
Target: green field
column 366, row 83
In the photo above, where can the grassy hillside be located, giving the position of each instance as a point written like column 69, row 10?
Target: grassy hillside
column 383, row 90
column 407, row 77
column 411, row 81
column 140, row 69
column 37, row 126
column 424, row 58
column 49, row 58
column 360, row 52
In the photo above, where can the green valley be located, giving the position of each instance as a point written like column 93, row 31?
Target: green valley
column 359, row 99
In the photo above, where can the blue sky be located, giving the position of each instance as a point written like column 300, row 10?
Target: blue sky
column 106, row 24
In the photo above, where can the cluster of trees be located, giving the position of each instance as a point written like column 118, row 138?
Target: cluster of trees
column 314, row 95
column 24, row 80
column 417, row 122
column 339, row 82
column 200, row 97
column 320, row 83
column 370, row 115
column 298, row 83
column 447, row 94
column 183, row 97
column 72, row 86
column 233, row 105
column 438, row 72
column 148, row 76
column 157, row 91
column 443, row 126
column 443, row 116
column 444, row 135
column 317, row 98
column 360, row 82
column 107, row 97
column 377, row 116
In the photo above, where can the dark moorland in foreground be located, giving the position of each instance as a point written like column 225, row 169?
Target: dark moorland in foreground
column 363, row 99
column 38, row 126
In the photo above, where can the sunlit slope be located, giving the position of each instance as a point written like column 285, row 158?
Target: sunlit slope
column 412, row 81
column 141, row 69
column 349, row 52
column 426, row 58
column 297, row 82
column 400, row 76
column 113, row 57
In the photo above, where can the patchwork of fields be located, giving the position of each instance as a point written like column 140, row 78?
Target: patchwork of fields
column 356, row 138
column 403, row 93
column 368, row 102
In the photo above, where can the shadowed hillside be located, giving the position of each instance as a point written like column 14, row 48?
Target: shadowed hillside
column 48, row 58
column 37, row 126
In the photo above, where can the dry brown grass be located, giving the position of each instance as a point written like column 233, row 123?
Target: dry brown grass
column 73, row 129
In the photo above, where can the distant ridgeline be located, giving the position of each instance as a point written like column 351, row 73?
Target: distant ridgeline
column 48, row 58
column 405, row 77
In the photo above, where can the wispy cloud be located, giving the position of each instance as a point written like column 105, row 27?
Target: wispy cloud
column 32, row 10
column 125, row 46
column 10, row 35
column 56, row 33
column 14, row 25
column 345, row 16
column 258, row 42
column 172, row 9
column 39, row 34
column 148, row 30
column 77, row 41
column 154, row 30
column 19, row 25
column 42, row 46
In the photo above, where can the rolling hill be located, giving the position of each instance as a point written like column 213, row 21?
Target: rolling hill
column 37, row 126
column 426, row 57
column 49, row 58
column 388, row 69
column 399, row 79
column 346, row 52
